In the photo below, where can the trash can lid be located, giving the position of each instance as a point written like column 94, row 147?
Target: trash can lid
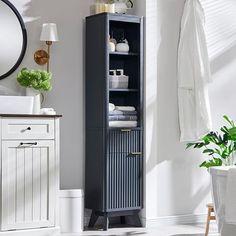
column 71, row 193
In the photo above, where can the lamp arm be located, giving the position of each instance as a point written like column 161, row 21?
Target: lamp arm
column 49, row 43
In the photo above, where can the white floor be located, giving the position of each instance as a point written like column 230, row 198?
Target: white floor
column 177, row 230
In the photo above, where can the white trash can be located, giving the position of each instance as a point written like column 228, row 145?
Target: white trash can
column 71, row 210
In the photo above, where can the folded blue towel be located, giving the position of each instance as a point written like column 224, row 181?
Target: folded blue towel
column 116, row 112
column 122, row 117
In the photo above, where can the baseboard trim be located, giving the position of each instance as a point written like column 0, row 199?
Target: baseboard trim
column 167, row 220
column 174, row 220
column 35, row 232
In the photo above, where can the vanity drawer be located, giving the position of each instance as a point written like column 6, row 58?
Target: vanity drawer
column 27, row 128
column 125, row 141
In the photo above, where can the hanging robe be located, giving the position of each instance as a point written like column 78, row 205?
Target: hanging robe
column 193, row 74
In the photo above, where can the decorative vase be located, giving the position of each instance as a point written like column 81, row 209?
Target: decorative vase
column 37, row 99
column 122, row 47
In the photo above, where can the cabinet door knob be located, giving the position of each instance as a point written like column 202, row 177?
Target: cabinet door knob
column 29, row 128
column 136, row 153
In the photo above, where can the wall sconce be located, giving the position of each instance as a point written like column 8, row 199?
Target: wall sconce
column 48, row 35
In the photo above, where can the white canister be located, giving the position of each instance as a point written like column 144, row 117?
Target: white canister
column 72, row 210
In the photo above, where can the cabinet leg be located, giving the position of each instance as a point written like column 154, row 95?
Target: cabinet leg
column 93, row 219
column 122, row 220
column 134, row 220
column 105, row 222
column 137, row 221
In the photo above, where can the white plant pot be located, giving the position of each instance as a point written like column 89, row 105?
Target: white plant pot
column 37, row 99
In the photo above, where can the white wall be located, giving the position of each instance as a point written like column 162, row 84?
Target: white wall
column 175, row 185
column 67, row 66
column 180, row 187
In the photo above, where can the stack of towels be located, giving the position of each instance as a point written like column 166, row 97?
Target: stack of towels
column 122, row 116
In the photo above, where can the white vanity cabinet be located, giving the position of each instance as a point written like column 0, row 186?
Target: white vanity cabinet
column 29, row 173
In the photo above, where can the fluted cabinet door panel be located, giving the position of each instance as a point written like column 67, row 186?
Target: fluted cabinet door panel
column 125, row 141
column 124, row 181
column 28, row 184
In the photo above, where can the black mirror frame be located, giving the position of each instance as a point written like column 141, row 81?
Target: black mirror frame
column 24, row 33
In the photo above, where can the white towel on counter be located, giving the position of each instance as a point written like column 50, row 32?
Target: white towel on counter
column 111, row 107
column 47, row 111
column 193, row 74
column 230, row 201
column 125, row 108
column 123, row 124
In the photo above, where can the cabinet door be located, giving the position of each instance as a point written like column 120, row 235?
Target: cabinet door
column 28, row 184
column 124, row 181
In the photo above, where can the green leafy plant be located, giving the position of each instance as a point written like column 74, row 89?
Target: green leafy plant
column 219, row 146
column 36, row 79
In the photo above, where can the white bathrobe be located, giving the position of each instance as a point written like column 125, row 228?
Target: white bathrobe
column 193, row 74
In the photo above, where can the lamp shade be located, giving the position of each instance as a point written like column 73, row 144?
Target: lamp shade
column 49, row 32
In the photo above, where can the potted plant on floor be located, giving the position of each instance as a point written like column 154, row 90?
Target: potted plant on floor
column 35, row 82
column 220, row 146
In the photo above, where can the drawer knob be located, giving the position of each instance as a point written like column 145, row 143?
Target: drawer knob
column 30, row 144
column 29, row 128
column 125, row 130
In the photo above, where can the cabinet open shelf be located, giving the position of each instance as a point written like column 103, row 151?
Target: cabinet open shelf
column 123, row 90
column 125, row 128
column 124, row 53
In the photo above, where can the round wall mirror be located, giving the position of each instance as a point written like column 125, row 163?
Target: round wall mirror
column 13, row 38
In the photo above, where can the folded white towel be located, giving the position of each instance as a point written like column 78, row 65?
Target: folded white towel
column 230, row 202
column 123, row 124
column 111, row 107
column 125, row 108
column 47, row 111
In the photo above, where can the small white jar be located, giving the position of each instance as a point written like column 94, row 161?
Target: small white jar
column 112, row 46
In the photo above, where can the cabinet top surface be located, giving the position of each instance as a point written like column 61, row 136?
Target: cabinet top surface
column 116, row 15
column 30, row 115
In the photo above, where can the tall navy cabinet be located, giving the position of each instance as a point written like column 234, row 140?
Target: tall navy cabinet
column 114, row 156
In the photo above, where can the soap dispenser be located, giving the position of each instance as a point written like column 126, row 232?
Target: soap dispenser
column 113, row 80
column 123, row 79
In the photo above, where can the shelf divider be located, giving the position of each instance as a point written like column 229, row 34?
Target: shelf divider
column 123, row 90
column 124, row 53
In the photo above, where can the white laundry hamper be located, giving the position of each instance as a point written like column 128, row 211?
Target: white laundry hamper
column 219, row 182
column 72, row 210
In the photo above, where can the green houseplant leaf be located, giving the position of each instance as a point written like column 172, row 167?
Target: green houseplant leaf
column 36, row 79
column 219, row 147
